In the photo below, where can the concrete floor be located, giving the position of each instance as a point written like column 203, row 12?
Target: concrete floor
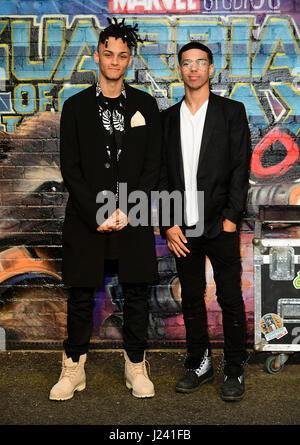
column 26, row 379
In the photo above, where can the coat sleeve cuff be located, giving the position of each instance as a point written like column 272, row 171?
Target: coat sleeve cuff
column 232, row 215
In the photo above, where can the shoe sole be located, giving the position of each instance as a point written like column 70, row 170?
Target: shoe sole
column 232, row 398
column 139, row 396
column 78, row 388
column 188, row 391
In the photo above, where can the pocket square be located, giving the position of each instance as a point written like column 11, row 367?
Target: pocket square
column 137, row 120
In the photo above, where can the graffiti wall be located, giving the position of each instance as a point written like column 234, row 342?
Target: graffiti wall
column 46, row 52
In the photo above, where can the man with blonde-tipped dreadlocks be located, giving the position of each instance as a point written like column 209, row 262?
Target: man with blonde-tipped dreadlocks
column 110, row 135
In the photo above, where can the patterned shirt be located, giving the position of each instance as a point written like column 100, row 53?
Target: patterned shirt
column 111, row 113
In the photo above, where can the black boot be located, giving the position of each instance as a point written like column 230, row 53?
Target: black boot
column 194, row 377
column 233, row 389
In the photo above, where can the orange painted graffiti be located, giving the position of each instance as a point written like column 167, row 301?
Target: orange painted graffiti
column 20, row 260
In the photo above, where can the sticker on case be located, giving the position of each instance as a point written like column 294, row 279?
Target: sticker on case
column 272, row 326
column 296, row 281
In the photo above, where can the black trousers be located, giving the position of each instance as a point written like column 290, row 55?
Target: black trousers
column 224, row 254
column 80, row 320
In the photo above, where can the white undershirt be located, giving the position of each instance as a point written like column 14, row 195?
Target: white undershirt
column 191, row 131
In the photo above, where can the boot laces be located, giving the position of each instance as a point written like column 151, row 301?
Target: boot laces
column 140, row 368
column 70, row 371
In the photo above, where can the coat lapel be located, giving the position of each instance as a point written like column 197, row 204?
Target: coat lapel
column 94, row 116
column 176, row 141
column 210, row 119
column 131, row 109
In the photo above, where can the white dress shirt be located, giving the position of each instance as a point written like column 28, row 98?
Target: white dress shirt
column 191, row 131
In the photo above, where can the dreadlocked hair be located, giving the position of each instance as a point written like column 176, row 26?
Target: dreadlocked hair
column 122, row 31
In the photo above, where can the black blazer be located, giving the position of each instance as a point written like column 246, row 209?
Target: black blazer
column 224, row 160
column 85, row 173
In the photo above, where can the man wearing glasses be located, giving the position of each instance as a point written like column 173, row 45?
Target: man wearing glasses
column 207, row 148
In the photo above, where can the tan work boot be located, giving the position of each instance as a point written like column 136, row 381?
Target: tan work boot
column 72, row 378
column 136, row 378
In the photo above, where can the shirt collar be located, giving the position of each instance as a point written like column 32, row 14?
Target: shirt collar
column 100, row 96
column 185, row 109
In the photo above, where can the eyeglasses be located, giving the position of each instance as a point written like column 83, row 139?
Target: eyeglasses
column 201, row 63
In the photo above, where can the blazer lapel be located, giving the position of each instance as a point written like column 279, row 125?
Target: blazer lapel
column 95, row 118
column 131, row 108
column 176, row 141
column 210, row 119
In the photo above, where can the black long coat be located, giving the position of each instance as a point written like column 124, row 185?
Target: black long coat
column 224, row 160
column 85, row 173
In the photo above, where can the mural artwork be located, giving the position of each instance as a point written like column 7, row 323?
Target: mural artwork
column 45, row 57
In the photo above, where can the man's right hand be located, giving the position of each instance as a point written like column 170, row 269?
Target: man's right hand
column 117, row 221
column 176, row 241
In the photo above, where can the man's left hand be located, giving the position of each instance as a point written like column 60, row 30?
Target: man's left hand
column 117, row 221
column 229, row 226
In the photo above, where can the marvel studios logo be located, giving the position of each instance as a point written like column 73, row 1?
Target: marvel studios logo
column 190, row 6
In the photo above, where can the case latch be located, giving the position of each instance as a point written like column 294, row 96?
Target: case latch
column 282, row 265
